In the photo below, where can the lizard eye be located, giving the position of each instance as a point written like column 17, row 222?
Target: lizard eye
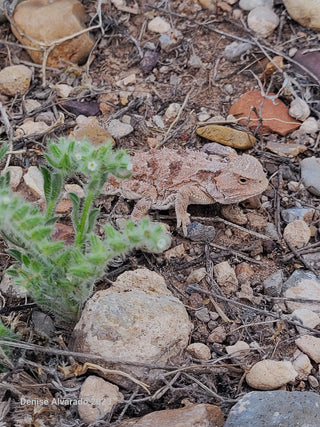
column 242, row 180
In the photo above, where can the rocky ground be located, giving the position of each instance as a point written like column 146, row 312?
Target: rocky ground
column 228, row 317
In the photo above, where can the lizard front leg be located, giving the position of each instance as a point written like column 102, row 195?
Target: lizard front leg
column 185, row 197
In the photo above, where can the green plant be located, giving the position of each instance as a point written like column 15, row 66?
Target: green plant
column 59, row 277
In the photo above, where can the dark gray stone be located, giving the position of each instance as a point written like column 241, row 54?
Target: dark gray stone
column 278, row 408
column 273, row 284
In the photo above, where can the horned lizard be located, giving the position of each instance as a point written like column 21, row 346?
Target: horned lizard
column 167, row 178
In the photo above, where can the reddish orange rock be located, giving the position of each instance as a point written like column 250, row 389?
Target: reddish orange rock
column 275, row 116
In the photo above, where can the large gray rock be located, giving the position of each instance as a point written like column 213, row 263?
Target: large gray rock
column 310, row 174
column 276, row 408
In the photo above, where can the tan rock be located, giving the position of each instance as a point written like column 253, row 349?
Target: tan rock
column 16, row 173
column 270, row 374
column 226, row 277
column 34, row 180
column 89, row 128
column 275, row 117
column 310, row 345
column 227, row 136
column 218, row 335
column 297, row 233
column 240, row 348
column 302, row 365
column 159, row 25
column 29, row 126
column 307, row 318
column 63, row 90
column 287, row 150
column 197, row 275
column 101, row 397
column 263, row 21
column 208, row 4
column 136, row 320
column 15, row 80
column 203, row 415
column 307, row 13
column 199, row 351
column 308, row 289
column 47, row 21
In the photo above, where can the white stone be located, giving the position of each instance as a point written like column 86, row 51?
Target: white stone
column 251, row 4
column 159, row 25
column 226, row 277
column 299, row 109
column 31, row 105
column 136, row 320
column 297, row 233
column 310, row 125
column 301, row 364
column 197, row 275
column 263, row 21
column 199, row 351
column 172, row 111
column 29, row 126
column 310, row 174
column 101, row 396
column 63, row 90
column 270, row 374
column 307, row 318
column 16, row 173
column 305, row 289
column 15, row 80
column 119, row 129
column 310, row 345
column 240, row 348
column 307, row 13
column 34, row 180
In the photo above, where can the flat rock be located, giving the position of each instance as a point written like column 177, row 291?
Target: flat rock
column 276, row 408
column 16, row 173
column 307, row 13
column 272, row 285
column 270, row 112
column 270, row 374
column 239, row 349
column 227, row 136
column 299, row 109
column 263, row 21
column 287, row 150
column 89, row 128
column 159, row 25
column 310, row 174
column 34, row 180
column 297, row 233
column 251, row 4
column 235, row 50
column 302, row 284
column 15, row 80
column 29, row 126
column 306, row 318
column 46, row 21
column 136, row 320
column 119, row 129
column 310, row 345
column 202, row 415
column 99, row 397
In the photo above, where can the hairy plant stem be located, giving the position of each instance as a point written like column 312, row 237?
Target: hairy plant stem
column 80, row 234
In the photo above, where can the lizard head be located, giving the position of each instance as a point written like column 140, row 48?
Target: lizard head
column 241, row 179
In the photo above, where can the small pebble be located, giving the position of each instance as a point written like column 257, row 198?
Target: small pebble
column 202, row 315
column 297, row 233
column 314, row 383
column 34, row 180
column 273, row 284
column 226, row 277
column 307, row 318
column 235, row 50
column 270, row 374
column 263, row 21
column 196, row 275
column 310, row 174
column 15, row 80
column 240, row 348
column 299, row 109
column 218, row 335
column 200, row 233
column 16, row 173
column 159, row 25
column 309, row 126
column 195, row 61
column 302, row 365
column 199, row 351
column 119, row 129
column 310, row 345
column 172, row 111
column 293, row 214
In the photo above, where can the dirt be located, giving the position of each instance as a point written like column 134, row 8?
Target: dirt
column 172, row 80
